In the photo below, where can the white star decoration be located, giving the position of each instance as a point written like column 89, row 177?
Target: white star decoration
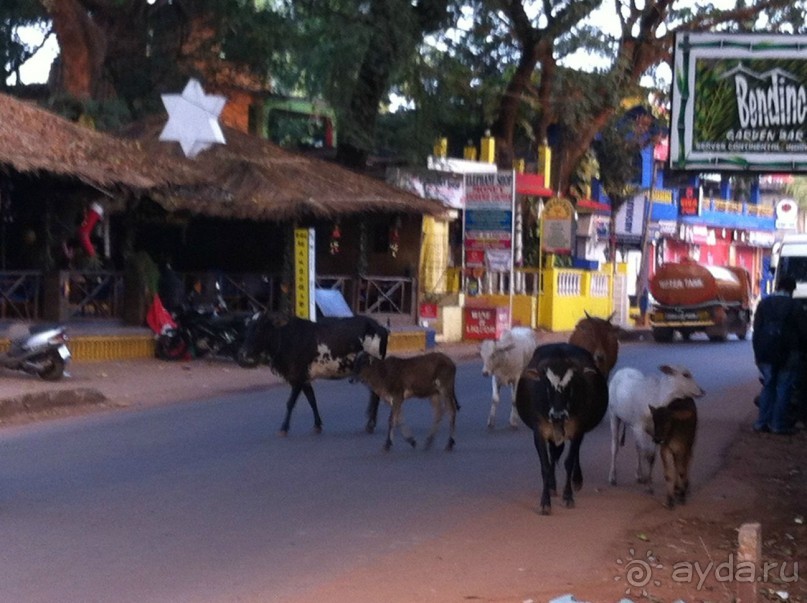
column 193, row 119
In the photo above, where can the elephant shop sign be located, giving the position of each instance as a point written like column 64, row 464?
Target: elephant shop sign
column 557, row 226
column 488, row 218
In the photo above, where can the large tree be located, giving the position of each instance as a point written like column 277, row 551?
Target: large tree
column 132, row 50
column 397, row 29
column 576, row 107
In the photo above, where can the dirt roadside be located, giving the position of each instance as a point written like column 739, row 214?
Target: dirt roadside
column 683, row 554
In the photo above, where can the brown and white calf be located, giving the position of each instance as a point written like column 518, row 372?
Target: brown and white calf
column 674, row 428
column 395, row 379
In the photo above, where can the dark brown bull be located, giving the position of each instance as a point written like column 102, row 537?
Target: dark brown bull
column 601, row 338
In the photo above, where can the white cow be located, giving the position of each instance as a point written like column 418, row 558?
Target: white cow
column 630, row 396
column 504, row 361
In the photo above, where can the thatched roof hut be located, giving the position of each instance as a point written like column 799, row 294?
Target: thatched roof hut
column 36, row 141
column 252, row 178
column 247, row 178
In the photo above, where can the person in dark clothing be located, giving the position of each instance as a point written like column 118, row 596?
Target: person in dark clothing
column 779, row 329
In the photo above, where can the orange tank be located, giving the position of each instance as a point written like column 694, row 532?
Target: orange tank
column 689, row 284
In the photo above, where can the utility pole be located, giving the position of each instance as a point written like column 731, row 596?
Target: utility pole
column 644, row 266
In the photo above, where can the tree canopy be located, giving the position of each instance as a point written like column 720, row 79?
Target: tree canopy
column 460, row 66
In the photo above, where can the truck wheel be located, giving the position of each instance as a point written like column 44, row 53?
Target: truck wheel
column 663, row 334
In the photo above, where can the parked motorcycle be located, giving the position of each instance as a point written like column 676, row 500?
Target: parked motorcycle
column 38, row 350
column 203, row 331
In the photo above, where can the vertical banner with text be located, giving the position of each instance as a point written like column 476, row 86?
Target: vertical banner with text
column 488, row 223
column 304, row 273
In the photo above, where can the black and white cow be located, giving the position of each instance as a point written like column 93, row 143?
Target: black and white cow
column 561, row 396
column 301, row 350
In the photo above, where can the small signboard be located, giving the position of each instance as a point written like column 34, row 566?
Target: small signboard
column 689, row 202
column 332, row 303
column 486, row 323
column 557, row 226
column 629, row 219
column 304, row 273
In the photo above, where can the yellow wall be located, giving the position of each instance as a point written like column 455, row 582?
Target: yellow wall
column 434, row 256
column 561, row 312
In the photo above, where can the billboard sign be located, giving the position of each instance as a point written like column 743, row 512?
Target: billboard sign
column 488, row 220
column 629, row 219
column 739, row 102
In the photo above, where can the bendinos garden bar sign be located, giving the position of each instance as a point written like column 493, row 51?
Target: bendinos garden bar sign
column 739, row 102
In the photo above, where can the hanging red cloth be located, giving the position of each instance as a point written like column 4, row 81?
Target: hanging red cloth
column 94, row 214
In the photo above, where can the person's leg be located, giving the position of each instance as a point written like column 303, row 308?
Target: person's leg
column 780, row 413
column 800, row 394
column 767, row 397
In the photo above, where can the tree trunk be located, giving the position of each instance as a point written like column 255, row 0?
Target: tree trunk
column 82, row 45
column 504, row 128
column 399, row 26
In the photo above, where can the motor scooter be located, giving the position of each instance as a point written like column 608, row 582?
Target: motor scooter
column 39, row 350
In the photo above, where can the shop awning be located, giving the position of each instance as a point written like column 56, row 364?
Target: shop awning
column 590, row 205
column 532, row 184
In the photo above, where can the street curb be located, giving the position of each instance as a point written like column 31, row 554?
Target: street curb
column 41, row 401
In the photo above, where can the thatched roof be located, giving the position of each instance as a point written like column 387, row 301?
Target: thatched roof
column 35, row 141
column 249, row 177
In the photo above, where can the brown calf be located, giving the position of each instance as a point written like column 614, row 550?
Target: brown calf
column 600, row 337
column 426, row 376
column 674, row 427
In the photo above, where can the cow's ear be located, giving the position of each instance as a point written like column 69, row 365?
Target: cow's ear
column 667, row 369
column 279, row 320
column 532, row 373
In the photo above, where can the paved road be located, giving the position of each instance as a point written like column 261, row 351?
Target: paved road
column 203, row 502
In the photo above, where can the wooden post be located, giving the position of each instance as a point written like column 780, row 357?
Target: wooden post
column 749, row 550
column 488, row 148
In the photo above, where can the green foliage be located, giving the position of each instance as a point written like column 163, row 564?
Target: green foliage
column 618, row 149
column 798, row 191
column 106, row 115
column 452, row 60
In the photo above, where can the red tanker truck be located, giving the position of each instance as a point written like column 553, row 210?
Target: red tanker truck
column 689, row 297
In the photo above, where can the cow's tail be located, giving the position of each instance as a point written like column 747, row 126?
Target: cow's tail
column 623, row 427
